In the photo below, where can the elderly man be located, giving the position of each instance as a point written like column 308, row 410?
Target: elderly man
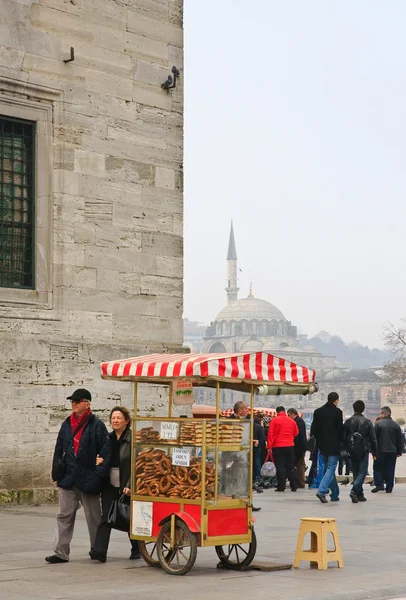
column 390, row 446
column 241, row 412
column 81, row 438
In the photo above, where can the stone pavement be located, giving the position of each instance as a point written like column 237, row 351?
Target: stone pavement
column 372, row 536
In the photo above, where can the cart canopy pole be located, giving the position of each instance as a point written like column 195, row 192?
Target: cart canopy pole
column 217, row 439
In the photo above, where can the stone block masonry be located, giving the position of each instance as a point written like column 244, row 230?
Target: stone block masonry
column 108, row 210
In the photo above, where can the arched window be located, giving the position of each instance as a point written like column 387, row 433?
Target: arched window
column 244, row 327
column 253, row 327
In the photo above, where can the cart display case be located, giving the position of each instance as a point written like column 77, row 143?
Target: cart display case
column 191, row 478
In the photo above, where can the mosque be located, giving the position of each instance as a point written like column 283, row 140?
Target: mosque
column 254, row 325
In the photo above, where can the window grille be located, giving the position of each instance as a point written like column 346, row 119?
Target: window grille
column 17, row 158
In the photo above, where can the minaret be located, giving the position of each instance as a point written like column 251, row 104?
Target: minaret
column 232, row 289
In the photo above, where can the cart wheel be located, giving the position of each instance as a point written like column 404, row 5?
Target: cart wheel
column 236, row 556
column 181, row 559
column 149, row 553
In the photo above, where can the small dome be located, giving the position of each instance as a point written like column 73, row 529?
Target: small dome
column 248, row 309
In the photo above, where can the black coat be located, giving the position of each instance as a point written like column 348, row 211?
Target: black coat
column 125, row 457
column 364, row 426
column 300, row 439
column 389, row 436
column 259, row 434
column 81, row 470
column 327, row 428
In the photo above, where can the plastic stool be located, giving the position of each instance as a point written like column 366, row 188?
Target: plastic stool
column 318, row 555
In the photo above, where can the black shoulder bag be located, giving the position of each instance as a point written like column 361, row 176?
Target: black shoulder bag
column 119, row 514
column 60, row 468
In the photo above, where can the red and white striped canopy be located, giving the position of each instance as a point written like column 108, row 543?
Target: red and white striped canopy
column 256, row 367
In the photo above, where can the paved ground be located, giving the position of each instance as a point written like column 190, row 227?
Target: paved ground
column 373, row 538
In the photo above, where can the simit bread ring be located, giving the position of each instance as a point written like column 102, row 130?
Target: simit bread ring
column 181, row 474
column 164, row 484
column 164, row 466
column 194, row 476
column 153, row 489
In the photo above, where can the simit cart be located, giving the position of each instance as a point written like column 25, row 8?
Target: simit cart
column 191, row 478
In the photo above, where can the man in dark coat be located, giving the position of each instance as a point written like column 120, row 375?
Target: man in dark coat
column 327, row 428
column 240, row 412
column 360, row 440
column 81, row 438
column 390, row 446
column 300, row 447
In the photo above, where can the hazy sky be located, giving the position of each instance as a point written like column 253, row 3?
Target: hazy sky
column 295, row 127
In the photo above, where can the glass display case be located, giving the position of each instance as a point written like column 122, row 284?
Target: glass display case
column 191, row 459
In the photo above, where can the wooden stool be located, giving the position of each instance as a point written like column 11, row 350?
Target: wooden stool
column 318, row 554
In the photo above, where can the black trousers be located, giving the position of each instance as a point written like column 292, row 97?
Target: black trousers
column 101, row 544
column 384, row 470
column 344, row 460
column 284, row 460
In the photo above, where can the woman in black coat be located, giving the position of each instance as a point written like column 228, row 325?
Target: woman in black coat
column 120, row 477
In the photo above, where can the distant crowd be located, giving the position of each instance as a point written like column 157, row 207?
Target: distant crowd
column 332, row 443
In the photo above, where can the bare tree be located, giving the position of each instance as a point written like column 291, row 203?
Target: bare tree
column 395, row 340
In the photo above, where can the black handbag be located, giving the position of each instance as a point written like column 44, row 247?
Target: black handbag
column 60, row 468
column 119, row 514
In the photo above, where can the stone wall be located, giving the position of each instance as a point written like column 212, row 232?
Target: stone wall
column 109, row 210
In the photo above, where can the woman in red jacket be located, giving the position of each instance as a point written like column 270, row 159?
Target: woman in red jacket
column 281, row 443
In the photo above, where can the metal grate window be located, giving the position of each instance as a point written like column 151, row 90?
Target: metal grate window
column 17, row 139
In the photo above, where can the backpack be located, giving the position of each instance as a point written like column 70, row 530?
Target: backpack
column 356, row 444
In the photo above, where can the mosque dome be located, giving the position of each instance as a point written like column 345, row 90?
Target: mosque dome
column 249, row 309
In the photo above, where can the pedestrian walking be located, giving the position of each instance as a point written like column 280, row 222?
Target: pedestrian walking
column 300, row 447
column 390, row 447
column 327, row 428
column 360, row 440
column 119, row 483
column 281, row 443
column 81, row 438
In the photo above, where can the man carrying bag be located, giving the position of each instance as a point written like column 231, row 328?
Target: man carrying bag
column 359, row 439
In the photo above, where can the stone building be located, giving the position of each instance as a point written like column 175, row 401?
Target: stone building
column 91, row 215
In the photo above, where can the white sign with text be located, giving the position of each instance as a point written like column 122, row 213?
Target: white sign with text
column 181, row 457
column 169, row 431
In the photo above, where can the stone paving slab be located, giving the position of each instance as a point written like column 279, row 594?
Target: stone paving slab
column 372, row 535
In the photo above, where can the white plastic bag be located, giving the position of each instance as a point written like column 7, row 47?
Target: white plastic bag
column 268, row 469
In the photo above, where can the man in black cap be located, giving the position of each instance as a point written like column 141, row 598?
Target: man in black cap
column 81, row 438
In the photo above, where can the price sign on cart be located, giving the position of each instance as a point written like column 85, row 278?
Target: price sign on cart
column 169, row 430
column 181, row 457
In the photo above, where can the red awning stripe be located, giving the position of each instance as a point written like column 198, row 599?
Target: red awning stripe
column 255, row 366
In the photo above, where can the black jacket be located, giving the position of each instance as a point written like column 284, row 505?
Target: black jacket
column 81, row 471
column 125, row 457
column 364, row 426
column 301, row 438
column 327, row 428
column 389, row 436
column 259, row 434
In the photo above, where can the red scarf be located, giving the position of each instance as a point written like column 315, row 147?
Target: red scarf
column 74, row 423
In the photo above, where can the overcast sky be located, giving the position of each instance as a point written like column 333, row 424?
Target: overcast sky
column 295, row 127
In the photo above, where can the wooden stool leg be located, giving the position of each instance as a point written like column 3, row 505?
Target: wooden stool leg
column 337, row 546
column 299, row 547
